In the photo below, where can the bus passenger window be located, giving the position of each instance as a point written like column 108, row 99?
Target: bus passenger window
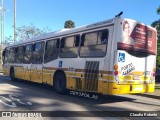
column 51, row 50
column 90, row 39
column 28, row 54
column 69, row 42
column 38, row 52
column 19, row 54
column 58, row 43
column 94, row 44
column 69, row 47
column 11, row 56
column 77, row 41
column 4, row 55
column 62, row 42
column 38, row 47
column 103, row 37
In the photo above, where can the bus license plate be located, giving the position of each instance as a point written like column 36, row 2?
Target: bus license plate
column 138, row 88
column 136, row 77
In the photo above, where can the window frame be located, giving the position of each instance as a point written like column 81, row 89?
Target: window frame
column 57, row 46
column 82, row 41
column 28, row 52
column 18, row 53
column 70, row 47
column 5, row 55
column 12, row 54
column 41, row 52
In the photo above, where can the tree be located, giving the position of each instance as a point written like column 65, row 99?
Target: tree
column 8, row 40
column 69, row 24
column 156, row 24
column 28, row 32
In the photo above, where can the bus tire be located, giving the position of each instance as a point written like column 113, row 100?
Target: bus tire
column 12, row 75
column 60, row 83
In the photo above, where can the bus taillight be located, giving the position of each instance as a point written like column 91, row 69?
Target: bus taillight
column 153, row 75
column 154, row 72
column 116, row 70
column 154, row 69
column 115, row 67
column 115, row 73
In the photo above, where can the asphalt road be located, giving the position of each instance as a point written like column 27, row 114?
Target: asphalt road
column 26, row 96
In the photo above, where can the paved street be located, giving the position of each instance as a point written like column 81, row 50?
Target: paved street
column 26, row 96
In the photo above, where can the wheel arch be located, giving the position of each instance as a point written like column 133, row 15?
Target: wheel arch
column 58, row 71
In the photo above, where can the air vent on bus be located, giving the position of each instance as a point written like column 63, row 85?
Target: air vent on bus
column 91, row 76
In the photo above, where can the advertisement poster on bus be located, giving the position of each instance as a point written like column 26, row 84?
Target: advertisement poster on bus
column 136, row 36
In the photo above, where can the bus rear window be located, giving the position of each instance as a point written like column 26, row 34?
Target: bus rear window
column 138, row 53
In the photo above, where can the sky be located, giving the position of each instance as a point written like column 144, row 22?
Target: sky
column 53, row 13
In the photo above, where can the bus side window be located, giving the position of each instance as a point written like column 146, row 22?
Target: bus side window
column 51, row 50
column 103, row 37
column 90, row 39
column 38, row 51
column 82, row 40
column 94, row 44
column 58, row 43
column 16, row 54
column 62, row 42
column 4, row 56
column 77, row 40
column 28, row 53
column 11, row 57
column 69, row 47
column 19, row 54
column 68, row 42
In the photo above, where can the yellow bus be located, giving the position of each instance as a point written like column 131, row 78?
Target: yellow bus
column 115, row 56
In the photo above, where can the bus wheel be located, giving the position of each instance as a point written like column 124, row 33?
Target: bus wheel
column 60, row 83
column 12, row 76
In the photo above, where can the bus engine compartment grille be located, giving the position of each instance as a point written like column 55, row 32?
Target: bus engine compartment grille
column 91, row 76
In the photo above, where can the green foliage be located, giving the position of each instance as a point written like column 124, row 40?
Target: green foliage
column 158, row 54
column 69, row 24
column 158, row 10
column 156, row 25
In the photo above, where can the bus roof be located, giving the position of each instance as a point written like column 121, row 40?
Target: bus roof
column 70, row 30
column 65, row 31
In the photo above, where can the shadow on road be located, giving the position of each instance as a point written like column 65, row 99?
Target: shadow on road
column 38, row 94
column 149, row 96
column 102, row 99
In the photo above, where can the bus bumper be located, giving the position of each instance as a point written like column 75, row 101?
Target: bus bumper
column 142, row 88
column 129, row 89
